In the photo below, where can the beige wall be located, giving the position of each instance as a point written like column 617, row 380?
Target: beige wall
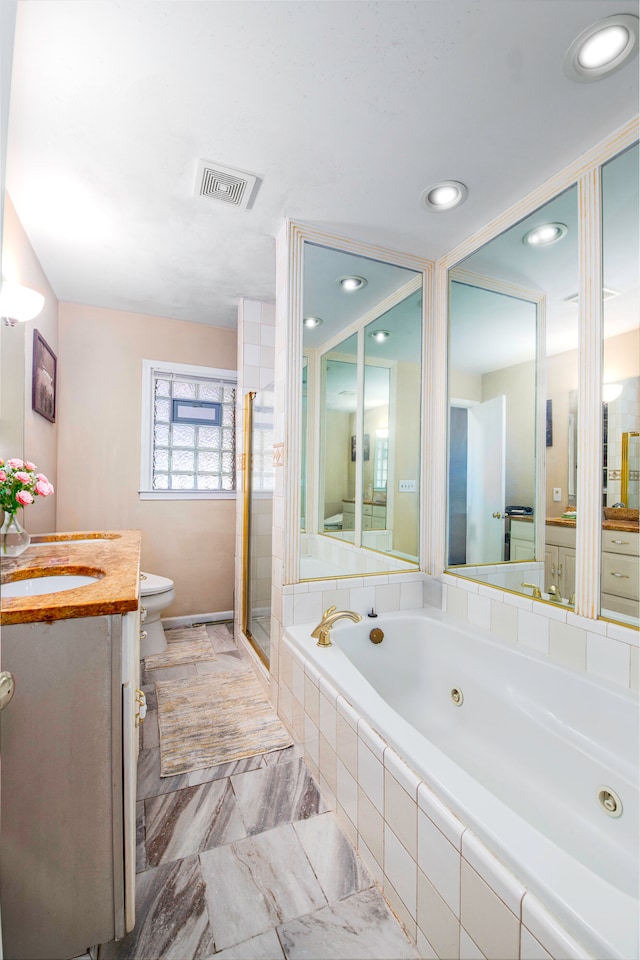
column 100, row 371
column 337, row 461
column 518, row 384
column 23, row 432
column 406, row 466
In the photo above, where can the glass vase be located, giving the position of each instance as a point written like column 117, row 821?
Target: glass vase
column 14, row 539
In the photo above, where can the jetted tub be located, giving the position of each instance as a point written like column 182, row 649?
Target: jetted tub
column 521, row 760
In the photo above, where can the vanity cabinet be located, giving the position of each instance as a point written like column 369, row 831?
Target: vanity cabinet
column 69, row 752
column 560, row 559
column 521, row 540
column 620, row 576
column 374, row 515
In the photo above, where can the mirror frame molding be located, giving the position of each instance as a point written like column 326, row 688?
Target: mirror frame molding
column 586, row 172
column 289, row 312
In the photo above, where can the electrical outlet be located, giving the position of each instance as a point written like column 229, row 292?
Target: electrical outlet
column 557, row 494
column 407, row 486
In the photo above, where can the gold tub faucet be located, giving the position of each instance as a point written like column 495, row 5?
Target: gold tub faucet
column 322, row 632
column 537, row 594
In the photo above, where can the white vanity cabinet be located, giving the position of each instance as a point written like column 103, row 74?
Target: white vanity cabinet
column 560, row 559
column 69, row 752
column 620, row 575
column 521, row 541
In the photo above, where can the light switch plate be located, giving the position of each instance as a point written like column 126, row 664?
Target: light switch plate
column 407, row 486
column 557, row 494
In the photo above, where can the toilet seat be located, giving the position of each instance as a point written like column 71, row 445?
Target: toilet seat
column 153, row 584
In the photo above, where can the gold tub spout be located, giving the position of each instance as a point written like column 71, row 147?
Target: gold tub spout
column 537, row 595
column 322, row 632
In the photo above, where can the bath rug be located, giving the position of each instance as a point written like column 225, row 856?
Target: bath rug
column 215, row 719
column 179, row 634
column 181, row 649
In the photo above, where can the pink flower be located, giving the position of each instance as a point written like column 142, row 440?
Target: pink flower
column 29, row 465
column 43, row 488
column 41, row 476
column 24, row 497
column 15, row 463
column 23, row 477
column 3, row 476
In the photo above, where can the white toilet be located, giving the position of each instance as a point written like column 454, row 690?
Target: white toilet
column 156, row 593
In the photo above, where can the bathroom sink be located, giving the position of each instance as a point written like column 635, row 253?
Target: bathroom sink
column 35, row 586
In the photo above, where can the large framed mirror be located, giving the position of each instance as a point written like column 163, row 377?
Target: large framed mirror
column 513, row 375
column 619, row 572
column 362, row 399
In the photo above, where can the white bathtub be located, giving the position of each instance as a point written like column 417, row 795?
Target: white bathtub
column 520, row 762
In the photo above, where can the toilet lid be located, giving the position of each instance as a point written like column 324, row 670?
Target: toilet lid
column 154, row 584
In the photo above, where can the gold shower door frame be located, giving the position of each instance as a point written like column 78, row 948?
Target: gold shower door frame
column 246, row 526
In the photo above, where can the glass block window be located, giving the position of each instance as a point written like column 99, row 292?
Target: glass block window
column 381, row 463
column 189, row 458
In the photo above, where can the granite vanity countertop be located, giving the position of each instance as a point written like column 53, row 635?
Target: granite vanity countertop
column 112, row 555
column 626, row 526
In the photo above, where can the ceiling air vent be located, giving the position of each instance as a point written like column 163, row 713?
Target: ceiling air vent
column 607, row 294
column 216, row 182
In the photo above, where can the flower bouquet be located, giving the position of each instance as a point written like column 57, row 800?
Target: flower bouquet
column 19, row 486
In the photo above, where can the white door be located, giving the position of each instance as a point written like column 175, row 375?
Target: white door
column 486, row 481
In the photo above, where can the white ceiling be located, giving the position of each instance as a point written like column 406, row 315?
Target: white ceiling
column 345, row 110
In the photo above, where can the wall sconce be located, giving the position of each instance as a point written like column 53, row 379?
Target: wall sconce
column 18, row 304
column 611, row 391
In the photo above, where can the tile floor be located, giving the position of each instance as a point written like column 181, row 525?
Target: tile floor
column 244, row 861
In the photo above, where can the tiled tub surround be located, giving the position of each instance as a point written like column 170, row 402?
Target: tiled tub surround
column 450, row 889
column 343, row 558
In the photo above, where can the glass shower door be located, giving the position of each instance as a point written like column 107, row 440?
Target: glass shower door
column 258, row 509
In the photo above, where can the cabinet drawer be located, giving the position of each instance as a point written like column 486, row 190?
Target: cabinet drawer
column 561, row 536
column 521, row 530
column 378, row 523
column 614, row 541
column 366, row 521
column 611, row 604
column 367, row 509
column 348, row 507
column 620, row 575
column 380, row 511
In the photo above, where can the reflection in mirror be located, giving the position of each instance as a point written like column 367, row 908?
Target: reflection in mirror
column 620, row 575
column 361, row 416
column 513, row 328
column 338, row 441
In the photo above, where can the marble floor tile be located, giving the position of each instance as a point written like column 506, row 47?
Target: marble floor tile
column 180, row 672
column 222, row 770
column 277, row 794
column 281, row 756
column 254, row 884
column 221, row 636
column 266, row 946
column 191, row 820
column 336, row 864
column 141, row 850
column 172, row 921
column 226, row 660
column 361, row 927
column 150, row 783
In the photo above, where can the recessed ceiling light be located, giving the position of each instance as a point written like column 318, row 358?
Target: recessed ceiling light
column 602, row 48
column 312, row 321
column 351, row 283
column 379, row 335
column 545, row 234
column 443, row 196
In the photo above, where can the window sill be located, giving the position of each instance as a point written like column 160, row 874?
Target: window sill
column 187, row 494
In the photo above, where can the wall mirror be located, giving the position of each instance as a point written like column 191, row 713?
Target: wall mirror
column 361, row 414
column 513, row 372
column 620, row 579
